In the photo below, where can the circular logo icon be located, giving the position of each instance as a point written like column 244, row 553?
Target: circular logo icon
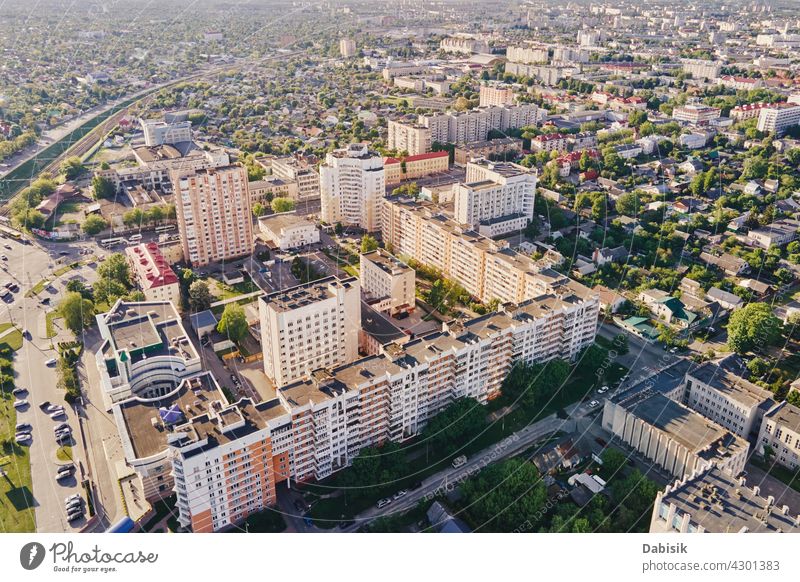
column 31, row 555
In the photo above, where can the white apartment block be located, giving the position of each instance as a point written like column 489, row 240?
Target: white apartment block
column 497, row 198
column 300, row 172
column 496, row 95
column 152, row 273
column 287, row 230
column 387, row 283
column 463, row 44
column 696, row 114
column 778, row 119
column 527, row 55
column 158, row 132
column 353, row 186
column 780, row 431
column 309, row 327
column 701, row 69
column 214, row 213
column 413, row 139
column 475, row 125
column 732, row 402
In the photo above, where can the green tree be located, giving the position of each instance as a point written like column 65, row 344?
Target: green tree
column 281, row 204
column 199, row 296
column 629, row 203
column 233, row 322
column 455, row 426
column 116, row 268
column 614, row 461
column 133, row 217
column 94, row 224
column 753, row 326
column 102, row 188
column 259, row 209
column 72, row 167
column 78, row 312
column 368, row 243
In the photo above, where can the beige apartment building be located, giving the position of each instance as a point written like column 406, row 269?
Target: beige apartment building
column 387, row 283
column 262, row 191
column 347, row 48
column 475, row 125
column 308, row 327
column 413, row 139
column 299, row 171
column 414, row 167
column 492, row 95
column 353, row 186
column 215, row 218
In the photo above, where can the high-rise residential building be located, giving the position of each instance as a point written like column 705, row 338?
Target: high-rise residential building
column 463, row 44
column 496, row 95
column 387, row 283
column 214, row 213
column 309, row 327
column 352, row 185
column 347, row 47
column 475, row 124
column 158, row 132
column 778, row 118
column 413, row 139
column 496, row 198
column 298, row 170
column 152, row 274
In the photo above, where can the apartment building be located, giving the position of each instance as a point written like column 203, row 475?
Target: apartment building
column 696, row 114
column 215, row 218
column 497, row 197
column 732, row 402
column 299, row 171
column 780, row 431
column 463, row 44
column 414, row 167
column 475, row 125
column 496, row 95
column 487, row 149
column 748, row 111
column 308, row 327
column 487, row 269
column 777, row 119
column 701, row 69
column 550, row 142
column 527, row 55
column 778, row 233
column 715, row 500
column 287, row 230
column 672, row 436
column 347, row 48
column 158, row 132
column 144, row 350
column 152, row 274
column 352, row 184
column 387, row 283
column 414, row 139
column 262, row 191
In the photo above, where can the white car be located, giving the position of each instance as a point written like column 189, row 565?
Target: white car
column 603, row 390
column 50, row 362
column 383, row 502
column 594, row 404
column 20, row 403
column 57, row 414
column 22, row 437
column 18, row 390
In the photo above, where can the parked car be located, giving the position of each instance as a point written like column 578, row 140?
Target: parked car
column 45, row 405
column 75, row 515
column 19, row 390
column 23, row 427
column 594, row 404
column 603, row 390
column 600, row 441
column 383, row 502
column 459, row 461
column 21, row 403
column 51, row 362
column 22, row 437
column 400, row 493
column 68, row 469
column 61, row 426
column 71, row 497
column 56, row 414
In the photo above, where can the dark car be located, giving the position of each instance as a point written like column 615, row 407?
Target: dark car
column 600, row 441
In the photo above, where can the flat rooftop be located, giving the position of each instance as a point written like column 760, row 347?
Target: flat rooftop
column 387, row 262
column 730, row 385
column 379, row 327
column 786, row 414
column 721, row 503
column 306, row 294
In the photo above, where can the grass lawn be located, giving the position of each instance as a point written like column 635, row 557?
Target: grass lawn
column 50, row 327
column 64, row 453
column 267, row 521
column 38, row 288
column 66, row 268
column 16, row 496
column 12, row 338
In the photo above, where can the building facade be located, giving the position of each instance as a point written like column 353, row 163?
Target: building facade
column 387, row 283
column 353, row 185
column 215, row 218
column 414, row 167
column 412, row 139
column 152, row 273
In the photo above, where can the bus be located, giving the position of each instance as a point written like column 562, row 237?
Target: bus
column 110, row 242
column 165, row 228
column 135, row 238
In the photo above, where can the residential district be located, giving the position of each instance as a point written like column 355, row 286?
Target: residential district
column 508, row 266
